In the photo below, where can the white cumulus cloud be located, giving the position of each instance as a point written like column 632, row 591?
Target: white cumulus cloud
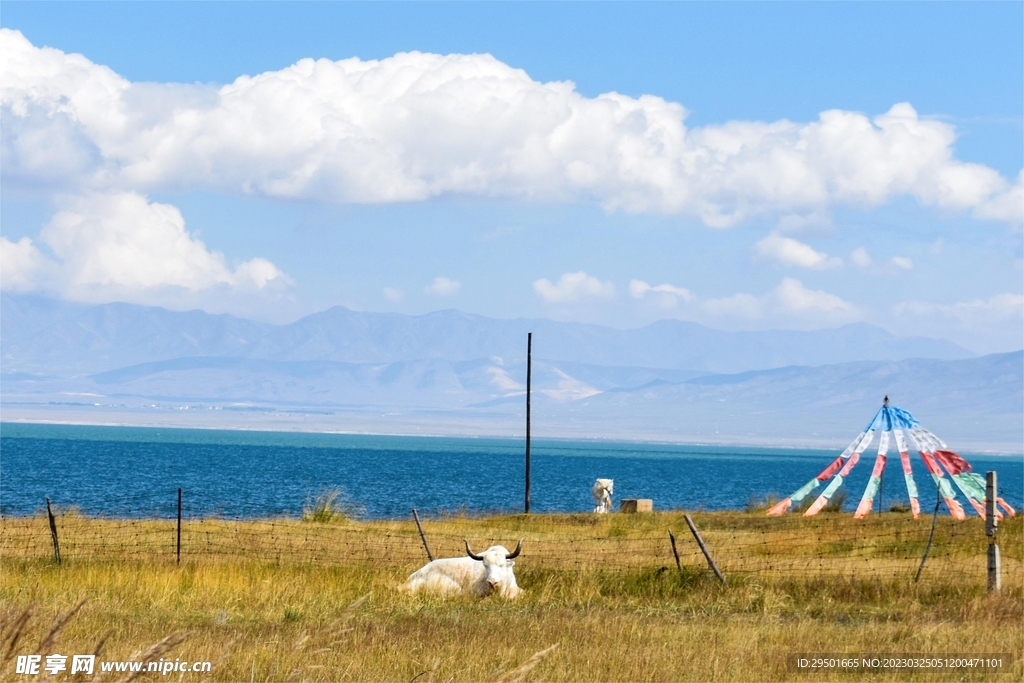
column 666, row 295
column 790, row 301
column 902, row 262
column 573, row 287
column 787, row 251
column 793, row 296
column 1007, row 206
column 442, row 286
column 21, row 264
column 393, row 294
column 860, row 257
column 120, row 244
column 416, row 125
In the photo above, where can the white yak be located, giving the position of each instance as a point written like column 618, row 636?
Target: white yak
column 480, row 575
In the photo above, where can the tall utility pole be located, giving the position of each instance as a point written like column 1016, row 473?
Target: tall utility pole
column 529, row 371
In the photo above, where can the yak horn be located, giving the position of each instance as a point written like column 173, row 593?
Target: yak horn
column 469, row 552
column 515, row 553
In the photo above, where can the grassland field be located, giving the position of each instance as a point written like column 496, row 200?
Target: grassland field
column 293, row 600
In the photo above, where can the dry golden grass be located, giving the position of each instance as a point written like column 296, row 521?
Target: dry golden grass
column 278, row 600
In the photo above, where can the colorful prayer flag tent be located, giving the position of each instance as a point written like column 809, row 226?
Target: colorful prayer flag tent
column 893, row 424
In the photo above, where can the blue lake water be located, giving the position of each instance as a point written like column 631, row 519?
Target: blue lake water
column 129, row 471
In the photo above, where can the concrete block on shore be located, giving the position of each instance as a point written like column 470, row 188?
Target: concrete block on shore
column 636, row 505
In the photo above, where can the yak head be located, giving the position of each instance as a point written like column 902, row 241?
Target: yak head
column 497, row 563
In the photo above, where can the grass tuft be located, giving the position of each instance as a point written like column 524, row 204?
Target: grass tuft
column 328, row 506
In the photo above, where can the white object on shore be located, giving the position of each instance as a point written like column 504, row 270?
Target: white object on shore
column 602, row 493
column 636, row 505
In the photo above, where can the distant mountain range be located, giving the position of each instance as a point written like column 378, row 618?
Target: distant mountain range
column 975, row 403
column 450, row 372
column 46, row 336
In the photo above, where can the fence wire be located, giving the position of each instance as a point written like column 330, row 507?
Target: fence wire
column 886, row 547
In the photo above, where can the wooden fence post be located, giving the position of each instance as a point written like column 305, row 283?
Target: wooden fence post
column 703, row 548
column 53, row 532
column 423, row 536
column 672, row 537
column 931, row 536
column 995, row 576
column 179, row 527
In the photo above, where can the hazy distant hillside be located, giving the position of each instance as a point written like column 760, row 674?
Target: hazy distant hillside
column 39, row 335
column 449, row 372
column 976, row 403
column 425, row 383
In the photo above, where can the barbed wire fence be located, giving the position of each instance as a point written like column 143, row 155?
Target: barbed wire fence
column 890, row 546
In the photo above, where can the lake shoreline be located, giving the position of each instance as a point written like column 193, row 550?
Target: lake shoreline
column 538, row 435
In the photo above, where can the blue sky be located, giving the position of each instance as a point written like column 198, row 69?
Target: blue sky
column 712, row 189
